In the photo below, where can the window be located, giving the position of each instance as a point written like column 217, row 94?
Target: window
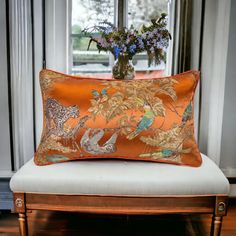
column 87, row 13
column 141, row 12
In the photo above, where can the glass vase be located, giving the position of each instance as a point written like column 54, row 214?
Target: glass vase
column 123, row 68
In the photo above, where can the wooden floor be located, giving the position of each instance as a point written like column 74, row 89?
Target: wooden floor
column 69, row 224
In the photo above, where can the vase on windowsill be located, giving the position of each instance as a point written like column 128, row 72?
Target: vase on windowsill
column 124, row 43
column 123, row 68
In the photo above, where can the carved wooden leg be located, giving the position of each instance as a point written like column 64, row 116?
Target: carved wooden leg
column 20, row 208
column 216, row 225
column 23, row 224
column 219, row 212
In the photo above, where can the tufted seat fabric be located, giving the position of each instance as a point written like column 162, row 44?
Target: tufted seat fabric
column 119, row 177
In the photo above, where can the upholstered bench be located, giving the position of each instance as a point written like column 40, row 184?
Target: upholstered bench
column 121, row 187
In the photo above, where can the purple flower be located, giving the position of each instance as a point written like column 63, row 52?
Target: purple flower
column 124, row 48
column 144, row 35
column 140, row 40
column 163, row 43
column 127, row 41
column 103, row 43
column 158, row 45
column 141, row 45
column 150, row 35
column 154, row 41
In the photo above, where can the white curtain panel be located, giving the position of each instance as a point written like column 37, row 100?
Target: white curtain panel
column 214, row 61
column 21, row 80
column 5, row 146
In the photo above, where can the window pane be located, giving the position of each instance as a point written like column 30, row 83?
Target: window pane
column 141, row 12
column 87, row 13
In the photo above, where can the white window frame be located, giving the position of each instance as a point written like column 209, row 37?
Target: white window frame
column 121, row 20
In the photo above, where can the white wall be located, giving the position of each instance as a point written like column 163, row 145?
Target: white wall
column 228, row 142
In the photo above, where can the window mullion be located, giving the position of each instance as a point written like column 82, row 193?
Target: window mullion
column 121, row 19
column 122, row 13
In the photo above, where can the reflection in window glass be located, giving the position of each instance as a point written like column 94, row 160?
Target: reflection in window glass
column 87, row 13
column 141, row 12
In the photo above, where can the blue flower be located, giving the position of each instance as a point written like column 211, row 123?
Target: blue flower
column 132, row 48
column 117, row 51
column 140, row 43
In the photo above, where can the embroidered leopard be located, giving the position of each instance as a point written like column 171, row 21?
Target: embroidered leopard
column 57, row 115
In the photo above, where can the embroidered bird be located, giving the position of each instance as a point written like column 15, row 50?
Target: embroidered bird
column 91, row 142
column 104, row 92
column 97, row 94
column 165, row 153
column 145, row 122
column 187, row 113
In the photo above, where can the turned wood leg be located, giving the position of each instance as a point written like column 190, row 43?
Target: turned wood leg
column 23, row 224
column 219, row 212
column 216, row 225
column 20, row 208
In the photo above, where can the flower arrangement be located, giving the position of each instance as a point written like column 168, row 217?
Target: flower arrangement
column 153, row 39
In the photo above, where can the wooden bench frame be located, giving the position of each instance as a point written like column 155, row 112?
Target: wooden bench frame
column 130, row 205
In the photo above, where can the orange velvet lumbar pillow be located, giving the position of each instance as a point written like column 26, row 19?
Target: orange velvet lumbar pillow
column 140, row 119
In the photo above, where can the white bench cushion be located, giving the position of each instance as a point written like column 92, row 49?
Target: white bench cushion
column 120, row 177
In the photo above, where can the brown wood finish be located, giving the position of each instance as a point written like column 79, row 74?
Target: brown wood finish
column 122, row 205
column 20, row 207
column 58, row 223
column 216, row 225
column 220, row 211
column 23, row 224
column 19, row 202
column 221, row 205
